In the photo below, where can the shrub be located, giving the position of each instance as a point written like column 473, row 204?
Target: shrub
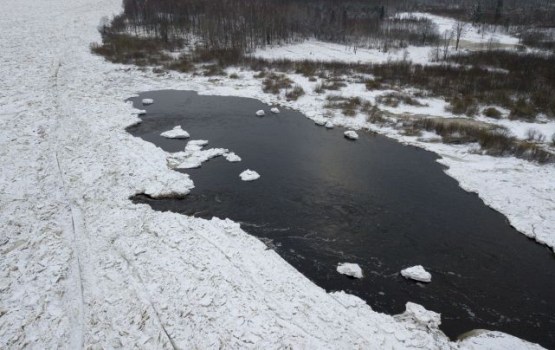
column 348, row 106
column 223, row 57
column 182, row 64
column 319, row 88
column 465, row 105
column 295, row 93
column 492, row 112
column 128, row 49
column 306, row 68
column 522, row 109
column 393, row 99
column 372, row 84
column 274, row 83
column 534, row 135
column 212, row 70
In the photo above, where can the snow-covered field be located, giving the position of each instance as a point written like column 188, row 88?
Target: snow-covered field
column 328, row 52
column 472, row 38
column 470, row 34
column 83, row 267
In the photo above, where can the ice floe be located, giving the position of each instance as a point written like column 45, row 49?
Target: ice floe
column 147, row 101
column 350, row 269
column 176, row 133
column 351, row 135
column 194, row 155
column 417, row 273
column 249, row 175
column 260, row 113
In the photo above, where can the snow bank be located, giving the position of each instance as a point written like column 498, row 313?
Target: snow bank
column 419, row 315
column 350, row 269
column 417, row 273
column 352, row 135
column 176, row 133
column 275, row 110
column 147, row 101
column 260, row 113
column 249, row 175
column 483, row 339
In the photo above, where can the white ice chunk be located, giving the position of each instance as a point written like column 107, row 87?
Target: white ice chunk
column 352, row 135
column 260, row 113
column 274, row 110
column 417, row 273
column 176, row 133
column 350, row 269
column 148, row 101
column 232, row 157
column 249, row 175
column 329, row 125
column 320, row 122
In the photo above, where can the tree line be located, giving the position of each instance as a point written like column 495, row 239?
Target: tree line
column 246, row 25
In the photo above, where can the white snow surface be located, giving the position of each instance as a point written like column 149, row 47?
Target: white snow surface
column 491, row 340
column 83, row 267
column 249, row 175
column 327, row 52
column 176, row 133
column 417, row 273
column 350, row 269
column 350, row 134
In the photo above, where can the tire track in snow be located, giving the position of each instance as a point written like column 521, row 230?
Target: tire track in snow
column 78, row 337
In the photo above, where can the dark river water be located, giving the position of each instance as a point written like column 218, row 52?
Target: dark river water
column 322, row 200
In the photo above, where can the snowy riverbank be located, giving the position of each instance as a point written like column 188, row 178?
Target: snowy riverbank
column 83, row 267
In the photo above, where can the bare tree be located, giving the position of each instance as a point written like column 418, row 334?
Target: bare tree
column 459, row 28
column 447, row 37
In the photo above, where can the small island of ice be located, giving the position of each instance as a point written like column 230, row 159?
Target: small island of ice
column 260, row 113
column 176, row 133
column 350, row 269
column 249, row 175
column 274, row 110
column 329, row 125
column 148, row 101
column 351, row 135
column 232, row 157
column 417, row 273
